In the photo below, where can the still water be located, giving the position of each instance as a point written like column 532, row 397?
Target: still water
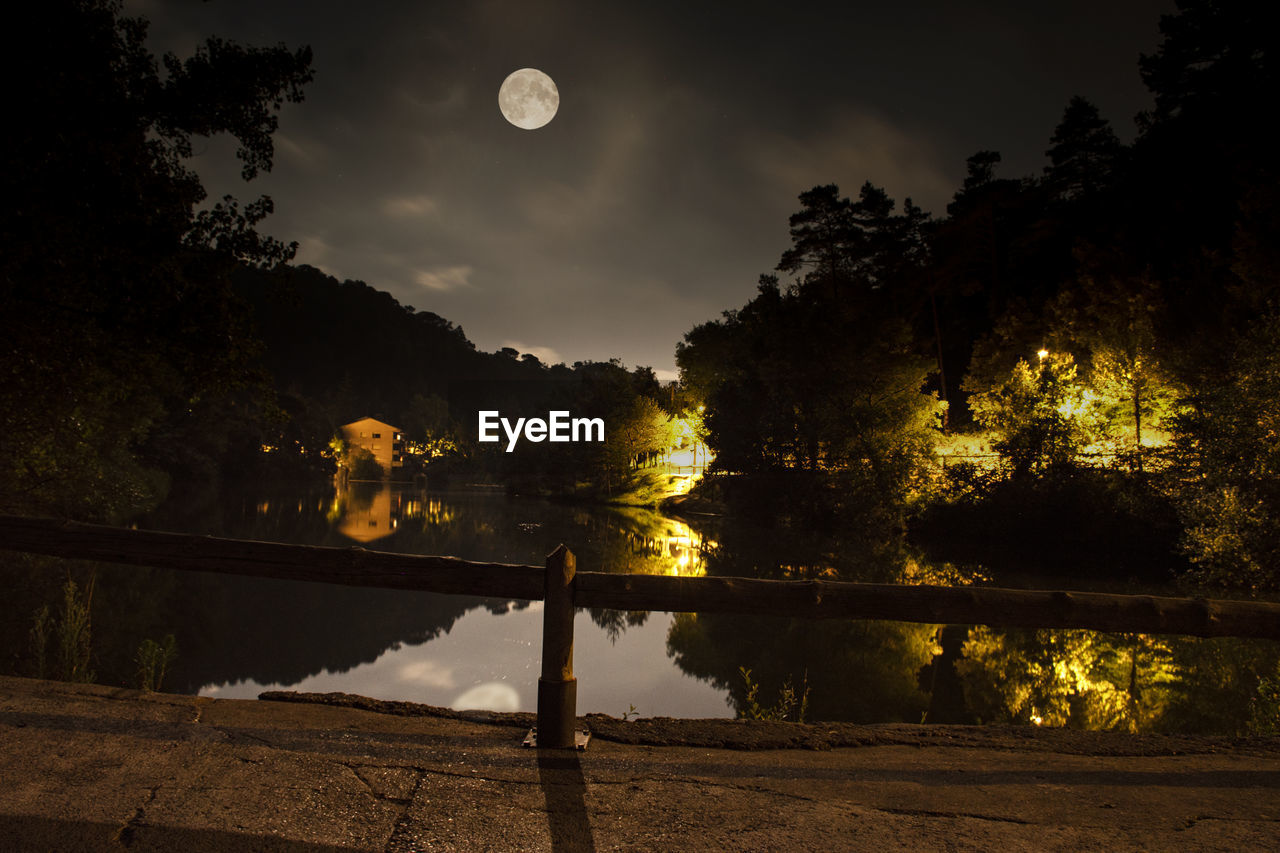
column 239, row 636
column 452, row 651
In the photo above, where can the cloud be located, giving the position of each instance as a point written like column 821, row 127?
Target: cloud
column 546, row 355
column 416, row 206
column 429, row 674
column 592, row 198
column 854, row 148
column 308, row 154
column 314, row 250
column 435, row 102
column 444, row 278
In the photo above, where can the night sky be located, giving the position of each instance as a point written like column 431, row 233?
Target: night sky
column 661, row 190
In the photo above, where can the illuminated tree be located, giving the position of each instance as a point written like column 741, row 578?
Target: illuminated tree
column 638, row 432
column 1113, row 322
column 1068, row 678
column 429, row 433
column 1041, row 415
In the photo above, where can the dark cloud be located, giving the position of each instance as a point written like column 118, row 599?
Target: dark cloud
column 661, row 190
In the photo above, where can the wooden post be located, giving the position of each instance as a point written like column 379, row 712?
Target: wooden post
column 557, row 688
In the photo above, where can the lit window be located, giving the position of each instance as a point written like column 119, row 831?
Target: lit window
column 362, row 434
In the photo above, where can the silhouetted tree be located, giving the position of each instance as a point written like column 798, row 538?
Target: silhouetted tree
column 124, row 347
column 822, row 379
column 1083, row 152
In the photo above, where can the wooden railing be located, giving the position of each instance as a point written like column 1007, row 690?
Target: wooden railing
column 563, row 589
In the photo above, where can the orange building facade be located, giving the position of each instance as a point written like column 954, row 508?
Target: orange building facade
column 381, row 439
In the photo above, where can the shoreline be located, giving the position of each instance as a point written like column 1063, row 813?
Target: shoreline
column 89, row 767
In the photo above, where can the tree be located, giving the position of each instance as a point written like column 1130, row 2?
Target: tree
column 1209, row 50
column 1203, row 150
column 850, row 247
column 1113, row 324
column 822, row 236
column 428, row 431
column 1068, row 677
column 121, row 330
column 981, row 171
column 363, row 466
column 1042, row 416
column 638, row 431
column 822, row 379
column 1083, row 152
column 975, row 245
column 1226, row 464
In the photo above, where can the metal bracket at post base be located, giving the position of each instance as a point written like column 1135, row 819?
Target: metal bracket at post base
column 581, row 737
column 557, row 706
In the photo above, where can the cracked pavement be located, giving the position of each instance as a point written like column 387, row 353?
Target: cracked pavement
column 95, row 768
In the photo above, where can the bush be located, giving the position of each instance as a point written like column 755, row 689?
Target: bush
column 364, row 466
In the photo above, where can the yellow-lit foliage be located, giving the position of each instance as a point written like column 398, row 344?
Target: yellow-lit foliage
column 1040, row 415
column 1081, row 679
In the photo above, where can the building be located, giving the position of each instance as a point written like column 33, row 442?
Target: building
column 381, row 439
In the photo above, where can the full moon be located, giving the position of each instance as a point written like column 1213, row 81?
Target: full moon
column 528, row 98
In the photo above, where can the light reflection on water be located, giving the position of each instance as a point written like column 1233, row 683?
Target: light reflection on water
column 487, row 659
column 239, row 636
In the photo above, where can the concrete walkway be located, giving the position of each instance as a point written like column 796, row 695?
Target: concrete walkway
column 96, row 768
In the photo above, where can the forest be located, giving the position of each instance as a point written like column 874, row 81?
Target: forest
column 1091, row 352
column 1081, row 361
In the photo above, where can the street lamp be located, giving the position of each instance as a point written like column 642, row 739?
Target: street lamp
column 1043, row 354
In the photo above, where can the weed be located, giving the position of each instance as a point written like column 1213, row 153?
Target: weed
column 42, row 625
column 153, row 659
column 791, row 706
column 1264, row 709
column 73, row 632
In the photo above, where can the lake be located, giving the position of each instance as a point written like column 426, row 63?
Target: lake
column 237, row 637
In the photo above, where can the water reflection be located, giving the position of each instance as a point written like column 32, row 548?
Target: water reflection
column 490, row 696
column 365, row 512
column 478, row 525
column 896, row 672
column 240, row 635
column 618, row 539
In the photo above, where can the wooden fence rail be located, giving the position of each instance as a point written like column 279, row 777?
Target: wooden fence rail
column 564, row 589
column 346, row 566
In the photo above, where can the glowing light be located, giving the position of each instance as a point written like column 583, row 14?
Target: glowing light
column 491, row 696
column 528, row 98
column 684, row 458
column 1043, row 354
